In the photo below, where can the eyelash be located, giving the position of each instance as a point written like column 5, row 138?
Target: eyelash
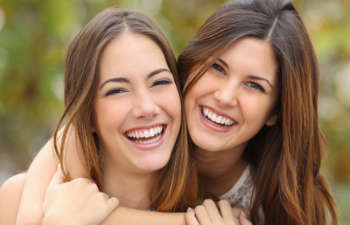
column 115, row 91
column 161, row 82
column 219, row 68
column 256, row 86
column 120, row 90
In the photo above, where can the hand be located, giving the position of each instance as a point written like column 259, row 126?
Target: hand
column 209, row 214
column 78, row 202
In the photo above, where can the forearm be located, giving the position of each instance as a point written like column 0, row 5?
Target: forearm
column 10, row 195
column 128, row 216
column 38, row 176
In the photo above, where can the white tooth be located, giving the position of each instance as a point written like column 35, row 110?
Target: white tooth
column 205, row 112
column 153, row 132
column 137, row 135
column 147, row 133
column 220, row 119
column 226, row 121
column 215, row 117
column 210, row 114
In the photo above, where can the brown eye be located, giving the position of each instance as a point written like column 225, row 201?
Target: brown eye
column 256, row 86
column 161, row 82
column 115, row 91
column 219, row 68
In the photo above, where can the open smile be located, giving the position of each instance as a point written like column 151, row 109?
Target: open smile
column 215, row 120
column 146, row 137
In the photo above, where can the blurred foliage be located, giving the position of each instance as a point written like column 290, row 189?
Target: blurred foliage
column 34, row 36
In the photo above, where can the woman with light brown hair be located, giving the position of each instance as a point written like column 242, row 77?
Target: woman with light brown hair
column 122, row 98
column 250, row 80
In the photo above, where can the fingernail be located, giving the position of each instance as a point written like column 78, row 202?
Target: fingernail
column 243, row 214
column 189, row 210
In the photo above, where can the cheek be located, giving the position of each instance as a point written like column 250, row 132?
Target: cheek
column 256, row 109
column 173, row 104
column 110, row 114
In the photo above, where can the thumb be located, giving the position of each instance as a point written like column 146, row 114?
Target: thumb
column 243, row 219
column 112, row 203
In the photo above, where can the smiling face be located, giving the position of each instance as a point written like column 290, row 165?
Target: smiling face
column 137, row 106
column 235, row 98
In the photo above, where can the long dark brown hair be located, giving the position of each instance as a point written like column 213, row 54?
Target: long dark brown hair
column 176, row 188
column 286, row 157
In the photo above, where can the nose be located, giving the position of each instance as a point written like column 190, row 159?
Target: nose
column 226, row 95
column 145, row 107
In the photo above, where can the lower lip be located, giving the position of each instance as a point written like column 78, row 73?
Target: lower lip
column 150, row 146
column 211, row 125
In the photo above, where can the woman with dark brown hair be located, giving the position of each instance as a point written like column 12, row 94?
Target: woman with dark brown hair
column 259, row 45
column 250, row 79
column 122, row 98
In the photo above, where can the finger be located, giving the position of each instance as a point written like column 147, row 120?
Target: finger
column 226, row 212
column 236, row 213
column 202, row 215
column 243, row 219
column 213, row 211
column 112, row 203
column 191, row 217
column 57, row 177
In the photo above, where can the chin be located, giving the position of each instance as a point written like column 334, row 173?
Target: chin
column 152, row 165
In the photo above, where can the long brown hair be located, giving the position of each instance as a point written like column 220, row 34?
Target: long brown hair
column 286, row 157
column 176, row 188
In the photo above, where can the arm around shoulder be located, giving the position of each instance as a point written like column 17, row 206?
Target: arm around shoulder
column 127, row 216
column 10, row 196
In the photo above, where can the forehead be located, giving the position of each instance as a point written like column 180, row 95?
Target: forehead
column 131, row 54
column 251, row 56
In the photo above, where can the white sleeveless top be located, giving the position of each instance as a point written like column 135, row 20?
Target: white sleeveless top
column 240, row 195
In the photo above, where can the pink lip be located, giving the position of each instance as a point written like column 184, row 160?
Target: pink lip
column 151, row 145
column 211, row 125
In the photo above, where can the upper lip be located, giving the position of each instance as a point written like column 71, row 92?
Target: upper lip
column 218, row 112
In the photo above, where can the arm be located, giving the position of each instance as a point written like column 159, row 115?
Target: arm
column 10, row 195
column 77, row 202
column 127, row 216
column 42, row 170
column 39, row 175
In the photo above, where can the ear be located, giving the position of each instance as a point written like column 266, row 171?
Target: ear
column 272, row 120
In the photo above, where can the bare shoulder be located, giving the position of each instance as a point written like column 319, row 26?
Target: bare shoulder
column 10, row 196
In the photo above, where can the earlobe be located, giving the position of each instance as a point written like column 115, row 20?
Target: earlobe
column 272, row 120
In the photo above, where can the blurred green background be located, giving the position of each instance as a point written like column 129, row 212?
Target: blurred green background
column 34, row 35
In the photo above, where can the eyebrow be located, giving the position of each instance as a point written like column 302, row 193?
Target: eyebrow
column 254, row 77
column 224, row 63
column 125, row 80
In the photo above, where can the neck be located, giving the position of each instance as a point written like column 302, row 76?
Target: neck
column 219, row 171
column 132, row 190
